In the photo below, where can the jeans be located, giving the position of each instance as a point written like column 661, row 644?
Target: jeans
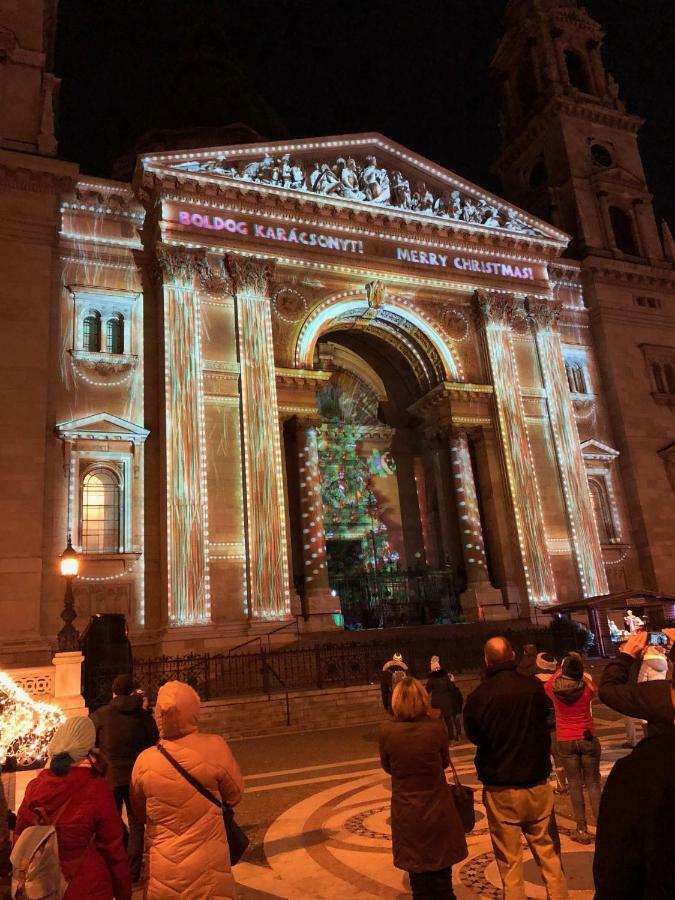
column 581, row 761
column 514, row 813
column 432, row 885
column 134, row 836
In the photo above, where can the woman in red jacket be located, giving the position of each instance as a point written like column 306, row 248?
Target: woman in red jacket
column 89, row 829
column 572, row 692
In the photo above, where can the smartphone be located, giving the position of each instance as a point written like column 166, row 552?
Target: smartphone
column 657, row 638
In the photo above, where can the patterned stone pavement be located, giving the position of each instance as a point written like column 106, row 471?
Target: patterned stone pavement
column 317, row 810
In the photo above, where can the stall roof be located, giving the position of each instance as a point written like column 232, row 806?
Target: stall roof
column 611, row 601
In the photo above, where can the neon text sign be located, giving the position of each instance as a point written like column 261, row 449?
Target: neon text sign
column 485, row 267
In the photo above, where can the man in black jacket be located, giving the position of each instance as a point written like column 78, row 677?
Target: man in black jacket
column 634, row 841
column 653, row 701
column 123, row 730
column 507, row 718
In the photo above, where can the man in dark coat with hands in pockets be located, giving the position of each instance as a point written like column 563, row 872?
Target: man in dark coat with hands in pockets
column 507, row 718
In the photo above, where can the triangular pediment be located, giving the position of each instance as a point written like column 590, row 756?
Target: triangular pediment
column 102, row 426
column 366, row 170
column 593, row 449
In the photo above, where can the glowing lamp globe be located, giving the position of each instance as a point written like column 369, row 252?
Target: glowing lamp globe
column 70, row 563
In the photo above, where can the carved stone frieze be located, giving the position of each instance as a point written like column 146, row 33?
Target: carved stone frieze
column 290, row 306
column 104, row 364
column 250, row 275
column 366, row 181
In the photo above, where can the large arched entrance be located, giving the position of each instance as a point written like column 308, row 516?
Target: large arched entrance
column 389, row 509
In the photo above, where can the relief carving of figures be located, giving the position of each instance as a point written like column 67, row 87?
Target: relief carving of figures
column 375, row 182
column 375, row 292
column 365, row 181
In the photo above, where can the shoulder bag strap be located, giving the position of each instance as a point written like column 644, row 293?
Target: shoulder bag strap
column 189, row 778
column 454, row 773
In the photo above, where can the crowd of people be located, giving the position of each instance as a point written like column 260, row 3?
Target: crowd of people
column 175, row 783
column 525, row 714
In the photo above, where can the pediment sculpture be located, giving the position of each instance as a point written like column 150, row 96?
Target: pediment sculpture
column 365, row 181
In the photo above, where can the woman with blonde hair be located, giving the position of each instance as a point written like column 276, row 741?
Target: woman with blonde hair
column 426, row 830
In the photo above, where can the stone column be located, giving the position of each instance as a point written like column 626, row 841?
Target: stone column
column 267, row 557
column 318, row 599
column 493, row 314
column 603, row 200
column 68, row 683
column 480, row 600
column 582, row 524
column 188, row 590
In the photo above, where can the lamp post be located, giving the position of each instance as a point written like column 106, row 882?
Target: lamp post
column 68, row 638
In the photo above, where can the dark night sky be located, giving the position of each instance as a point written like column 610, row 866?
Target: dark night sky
column 415, row 71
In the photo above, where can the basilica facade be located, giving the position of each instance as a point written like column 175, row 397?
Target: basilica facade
column 257, row 370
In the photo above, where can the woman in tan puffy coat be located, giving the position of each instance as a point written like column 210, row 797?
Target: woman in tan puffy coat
column 188, row 856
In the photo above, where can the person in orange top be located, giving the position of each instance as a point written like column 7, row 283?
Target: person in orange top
column 572, row 692
column 188, row 853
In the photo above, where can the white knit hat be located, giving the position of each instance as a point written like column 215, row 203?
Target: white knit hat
column 76, row 737
column 435, row 664
column 398, row 657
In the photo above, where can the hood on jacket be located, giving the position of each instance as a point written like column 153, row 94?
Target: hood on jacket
column 127, row 703
column 392, row 663
column 568, row 690
column 176, row 710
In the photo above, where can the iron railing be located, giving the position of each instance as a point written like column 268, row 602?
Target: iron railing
column 389, row 599
column 344, row 664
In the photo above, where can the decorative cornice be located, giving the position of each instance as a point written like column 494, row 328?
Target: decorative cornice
column 22, row 178
column 306, row 378
column 450, row 392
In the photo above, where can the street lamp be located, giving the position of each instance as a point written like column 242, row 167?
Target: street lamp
column 68, row 638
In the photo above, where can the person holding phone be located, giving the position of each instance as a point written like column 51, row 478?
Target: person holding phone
column 653, row 701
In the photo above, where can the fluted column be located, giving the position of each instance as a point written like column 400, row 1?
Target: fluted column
column 480, row 599
column 188, row 590
column 580, row 516
column 267, row 558
column 493, row 314
column 315, row 566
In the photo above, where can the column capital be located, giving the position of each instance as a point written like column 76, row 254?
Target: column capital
column 179, row 263
column 250, row 275
column 544, row 313
column 496, row 309
column 306, row 422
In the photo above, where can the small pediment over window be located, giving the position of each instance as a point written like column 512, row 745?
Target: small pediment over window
column 596, row 450
column 102, row 427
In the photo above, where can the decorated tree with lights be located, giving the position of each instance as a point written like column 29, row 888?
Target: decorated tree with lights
column 349, row 501
column 26, row 727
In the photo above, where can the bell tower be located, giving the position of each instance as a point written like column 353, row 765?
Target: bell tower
column 28, row 89
column 569, row 149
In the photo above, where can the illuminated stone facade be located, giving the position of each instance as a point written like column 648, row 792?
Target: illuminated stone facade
column 201, row 320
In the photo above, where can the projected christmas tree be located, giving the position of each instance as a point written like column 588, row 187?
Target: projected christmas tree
column 350, row 504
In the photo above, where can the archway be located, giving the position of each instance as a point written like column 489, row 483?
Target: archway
column 389, row 509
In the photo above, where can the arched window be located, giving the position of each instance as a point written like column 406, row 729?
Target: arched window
column 622, row 226
column 91, row 332
column 669, row 372
column 114, row 334
column 601, row 510
column 658, row 378
column 100, row 508
column 577, row 71
column 601, row 156
column 576, row 377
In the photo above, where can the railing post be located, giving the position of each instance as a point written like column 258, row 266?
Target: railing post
column 265, row 672
column 317, row 664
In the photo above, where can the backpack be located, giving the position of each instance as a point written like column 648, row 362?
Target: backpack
column 36, row 868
